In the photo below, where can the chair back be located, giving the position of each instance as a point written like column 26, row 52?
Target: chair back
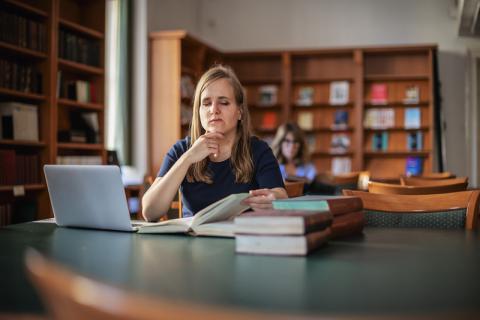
column 421, row 182
column 437, row 175
column 443, row 211
column 68, row 295
column 294, row 188
column 387, row 188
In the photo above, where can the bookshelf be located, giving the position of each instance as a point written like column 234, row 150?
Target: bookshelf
column 34, row 68
column 302, row 82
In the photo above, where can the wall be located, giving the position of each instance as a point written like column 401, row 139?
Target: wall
column 280, row 24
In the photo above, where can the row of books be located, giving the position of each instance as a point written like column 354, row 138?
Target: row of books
column 17, row 212
column 78, row 48
column 22, row 31
column 82, row 160
column 18, row 168
column 382, row 118
column 379, row 94
column 84, row 128
column 19, row 121
column 78, row 90
column 306, row 120
column 414, row 141
column 20, row 76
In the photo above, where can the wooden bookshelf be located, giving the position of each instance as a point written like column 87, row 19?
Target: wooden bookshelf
column 290, row 71
column 39, row 53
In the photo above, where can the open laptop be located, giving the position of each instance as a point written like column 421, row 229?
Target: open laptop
column 88, row 196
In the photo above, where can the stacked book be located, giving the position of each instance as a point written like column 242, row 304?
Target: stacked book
column 297, row 226
column 347, row 211
column 282, row 232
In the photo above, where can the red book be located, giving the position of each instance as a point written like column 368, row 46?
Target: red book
column 347, row 224
column 379, row 93
column 269, row 120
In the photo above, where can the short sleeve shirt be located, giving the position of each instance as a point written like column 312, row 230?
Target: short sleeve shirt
column 198, row 195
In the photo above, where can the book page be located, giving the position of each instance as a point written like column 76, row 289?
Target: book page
column 218, row 229
column 221, row 210
column 169, row 226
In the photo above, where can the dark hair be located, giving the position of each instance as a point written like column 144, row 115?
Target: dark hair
column 303, row 156
column 241, row 158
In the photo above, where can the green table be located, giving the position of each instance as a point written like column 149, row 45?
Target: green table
column 382, row 272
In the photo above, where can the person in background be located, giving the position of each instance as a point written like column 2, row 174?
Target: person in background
column 219, row 158
column 291, row 151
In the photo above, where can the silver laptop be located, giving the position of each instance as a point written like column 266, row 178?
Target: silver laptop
column 88, row 196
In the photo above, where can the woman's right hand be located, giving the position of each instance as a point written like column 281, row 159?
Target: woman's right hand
column 204, row 146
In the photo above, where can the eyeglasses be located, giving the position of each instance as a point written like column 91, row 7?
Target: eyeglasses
column 290, row 142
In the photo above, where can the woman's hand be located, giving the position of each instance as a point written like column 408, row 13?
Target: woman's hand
column 205, row 145
column 261, row 199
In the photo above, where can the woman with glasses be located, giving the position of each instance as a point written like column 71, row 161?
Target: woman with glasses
column 291, row 151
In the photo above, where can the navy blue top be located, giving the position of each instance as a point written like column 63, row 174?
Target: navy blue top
column 198, row 195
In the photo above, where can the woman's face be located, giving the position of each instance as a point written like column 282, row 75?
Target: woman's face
column 290, row 147
column 219, row 111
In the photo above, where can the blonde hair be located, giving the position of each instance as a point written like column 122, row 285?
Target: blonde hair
column 241, row 156
column 302, row 156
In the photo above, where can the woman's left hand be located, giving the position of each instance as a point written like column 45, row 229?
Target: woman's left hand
column 260, row 199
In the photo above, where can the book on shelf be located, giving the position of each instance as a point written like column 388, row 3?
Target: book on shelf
column 415, row 141
column 379, row 118
column 378, row 93
column 22, row 31
column 187, row 88
column 305, row 120
column 305, row 96
column 412, row 119
column 20, row 76
column 380, row 141
column 340, row 143
column 269, row 120
column 267, row 95
column 412, row 94
column 18, row 167
column 341, row 165
column 339, row 92
column 282, row 222
column 83, row 160
column 77, row 90
column 19, row 121
column 340, row 120
column 78, row 48
column 413, row 166
column 84, row 128
column 290, row 245
column 214, row 220
column 311, row 141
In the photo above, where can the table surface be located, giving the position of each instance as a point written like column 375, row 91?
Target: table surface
column 382, row 272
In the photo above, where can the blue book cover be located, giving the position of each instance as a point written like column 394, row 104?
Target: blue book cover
column 414, row 166
column 415, row 141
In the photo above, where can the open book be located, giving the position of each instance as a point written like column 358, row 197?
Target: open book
column 214, row 220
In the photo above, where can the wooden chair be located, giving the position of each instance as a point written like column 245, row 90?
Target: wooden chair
column 421, row 182
column 445, row 211
column 329, row 183
column 437, row 175
column 68, row 295
column 387, row 188
column 294, row 188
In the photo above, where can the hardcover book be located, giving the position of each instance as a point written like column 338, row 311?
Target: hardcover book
column 413, row 166
column 412, row 118
column 281, row 245
column 267, row 95
column 415, row 141
column 340, row 120
column 339, row 92
column 412, row 94
column 305, row 96
column 282, row 222
column 341, row 165
column 269, row 120
column 336, row 205
column 379, row 93
column 214, row 220
column 305, row 120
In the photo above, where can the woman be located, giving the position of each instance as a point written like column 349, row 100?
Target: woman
column 219, row 158
column 290, row 148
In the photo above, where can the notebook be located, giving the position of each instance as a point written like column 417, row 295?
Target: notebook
column 88, row 196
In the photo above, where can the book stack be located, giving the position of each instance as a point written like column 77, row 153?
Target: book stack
column 282, row 232
column 347, row 211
